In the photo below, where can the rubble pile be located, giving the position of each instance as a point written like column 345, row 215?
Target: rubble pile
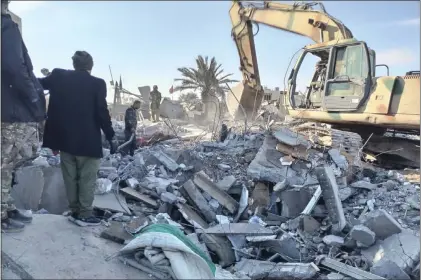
column 258, row 205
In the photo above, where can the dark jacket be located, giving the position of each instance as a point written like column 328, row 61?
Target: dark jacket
column 22, row 97
column 130, row 119
column 77, row 111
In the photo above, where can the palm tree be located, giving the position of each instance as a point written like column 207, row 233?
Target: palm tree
column 208, row 78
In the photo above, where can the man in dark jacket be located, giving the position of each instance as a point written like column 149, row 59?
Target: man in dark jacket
column 130, row 120
column 22, row 107
column 77, row 111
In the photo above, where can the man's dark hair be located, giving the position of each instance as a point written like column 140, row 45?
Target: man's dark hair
column 136, row 102
column 82, row 61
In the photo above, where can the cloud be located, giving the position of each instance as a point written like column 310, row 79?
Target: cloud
column 395, row 57
column 408, row 22
column 22, row 7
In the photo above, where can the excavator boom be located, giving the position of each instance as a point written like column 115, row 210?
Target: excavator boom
column 298, row 18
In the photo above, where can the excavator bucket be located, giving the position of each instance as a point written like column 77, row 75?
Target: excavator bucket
column 244, row 101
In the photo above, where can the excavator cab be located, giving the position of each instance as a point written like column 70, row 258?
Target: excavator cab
column 342, row 78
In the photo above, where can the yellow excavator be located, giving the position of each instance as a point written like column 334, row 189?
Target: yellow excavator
column 344, row 91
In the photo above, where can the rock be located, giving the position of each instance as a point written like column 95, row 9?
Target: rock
column 221, row 246
column 381, row 223
column 168, row 197
column 333, row 240
column 260, row 196
column 103, row 186
column 363, row 235
column 132, row 182
column 224, row 167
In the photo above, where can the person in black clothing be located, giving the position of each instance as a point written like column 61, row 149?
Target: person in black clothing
column 130, row 120
column 77, row 111
column 22, row 107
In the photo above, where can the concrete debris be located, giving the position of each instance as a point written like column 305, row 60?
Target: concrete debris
column 269, row 270
column 204, row 183
column 333, row 240
column 363, row 235
column 103, row 186
column 330, row 194
column 381, row 223
column 267, row 205
column 239, row 229
column 363, row 185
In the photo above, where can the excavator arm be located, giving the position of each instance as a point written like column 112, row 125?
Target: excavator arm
column 298, row 18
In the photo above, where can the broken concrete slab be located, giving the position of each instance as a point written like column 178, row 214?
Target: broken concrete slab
column 139, row 197
column 191, row 216
column 291, row 138
column 265, row 166
column 402, row 249
column 381, row 223
column 221, row 246
column 111, row 201
column 299, row 151
column 199, row 201
column 345, row 269
column 226, row 183
column 29, row 187
column 286, row 246
column 310, row 224
column 389, row 270
column 363, row 235
column 204, row 183
column 269, row 270
column 330, row 193
column 166, row 160
column 67, row 252
column 239, row 229
column 54, row 196
column 363, row 185
column 115, row 232
column 294, row 201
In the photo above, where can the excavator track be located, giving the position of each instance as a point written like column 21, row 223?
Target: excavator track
column 324, row 137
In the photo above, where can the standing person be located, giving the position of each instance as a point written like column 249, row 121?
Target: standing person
column 22, row 107
column 130, row 121
column 155, row 98
column 77, row 111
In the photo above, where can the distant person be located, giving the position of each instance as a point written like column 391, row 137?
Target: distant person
column 77, row 111
column 155, row 98
column 130, row 120
column 22, row 107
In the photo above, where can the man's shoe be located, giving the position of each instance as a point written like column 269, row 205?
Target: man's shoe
column 9, row 225
column 73, row 217
column 89, row 221
column 19, row 216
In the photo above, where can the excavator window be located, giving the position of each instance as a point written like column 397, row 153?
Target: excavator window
column 346, row 84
